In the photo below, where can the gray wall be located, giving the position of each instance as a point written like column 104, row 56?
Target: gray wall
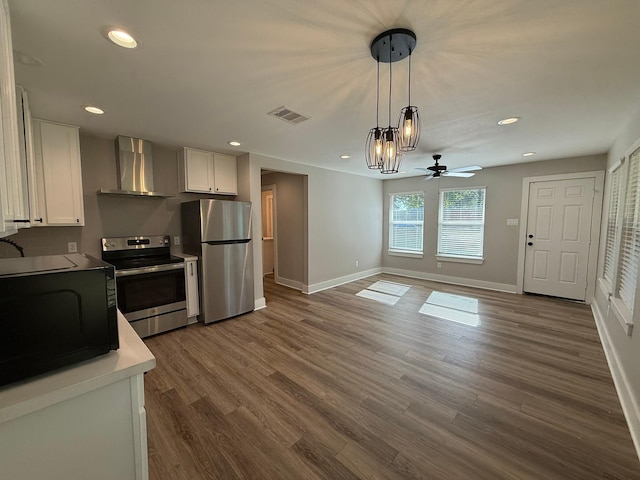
column 503, row 201
column 290, row 202
column 112, row 215
column 344, row 220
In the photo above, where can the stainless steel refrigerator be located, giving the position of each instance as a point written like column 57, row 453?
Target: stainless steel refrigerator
column 218, row 232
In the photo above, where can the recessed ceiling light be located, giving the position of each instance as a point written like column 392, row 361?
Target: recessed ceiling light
column 528, row 154
column 234, row 143
column 345, row 156
column 92, row 109
column 508, row 121
column 121, row 38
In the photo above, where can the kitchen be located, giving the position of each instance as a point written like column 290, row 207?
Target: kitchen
column 343, row 211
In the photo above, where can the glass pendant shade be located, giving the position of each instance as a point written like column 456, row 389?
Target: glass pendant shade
column 373, row 149
column 409, row 128
column 391, row 154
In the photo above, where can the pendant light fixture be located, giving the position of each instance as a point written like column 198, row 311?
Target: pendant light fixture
column 373, row 148
column 390, row 46
column 409, row 122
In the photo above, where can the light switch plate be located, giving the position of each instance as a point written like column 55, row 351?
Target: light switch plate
column 512, row 222
column 176, row 240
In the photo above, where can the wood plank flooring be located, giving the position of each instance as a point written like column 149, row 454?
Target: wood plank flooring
column 335, row 386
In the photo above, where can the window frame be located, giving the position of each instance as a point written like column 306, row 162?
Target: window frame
column 400, row 252
column 611, row 286
column 460, row 258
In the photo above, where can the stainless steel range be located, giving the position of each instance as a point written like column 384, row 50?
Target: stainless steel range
column 150, row 282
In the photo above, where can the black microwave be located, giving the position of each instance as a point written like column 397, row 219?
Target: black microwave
column 54, row 311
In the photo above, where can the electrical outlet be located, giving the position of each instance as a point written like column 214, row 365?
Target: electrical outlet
column 176, row 240
column 357, row 263
column 72, row 247
column 439, row 265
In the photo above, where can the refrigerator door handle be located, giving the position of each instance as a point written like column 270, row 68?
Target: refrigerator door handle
column 228, row 242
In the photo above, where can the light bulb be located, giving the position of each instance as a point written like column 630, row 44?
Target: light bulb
column 390, row 150
column 378, row 146
column 408, row 128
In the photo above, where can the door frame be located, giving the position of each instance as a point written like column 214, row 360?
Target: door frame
column 271, row 188
column 596, row 218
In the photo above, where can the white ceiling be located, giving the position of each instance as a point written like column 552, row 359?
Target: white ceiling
column 207, row 72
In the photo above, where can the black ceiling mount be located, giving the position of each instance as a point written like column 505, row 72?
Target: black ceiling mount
column 393, row 45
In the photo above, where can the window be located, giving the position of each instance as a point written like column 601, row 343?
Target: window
column 612, row 224
column 461, row 223
column 406, row 219
column 630, row 235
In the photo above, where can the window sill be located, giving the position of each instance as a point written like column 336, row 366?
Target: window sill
column 447, row 258
column 622, row 313
column 402, row 253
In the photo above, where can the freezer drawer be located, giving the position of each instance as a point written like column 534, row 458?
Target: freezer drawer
column 226, row 287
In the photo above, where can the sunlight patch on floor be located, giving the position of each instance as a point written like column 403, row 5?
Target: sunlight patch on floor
column 384, row 292
column 454, row 308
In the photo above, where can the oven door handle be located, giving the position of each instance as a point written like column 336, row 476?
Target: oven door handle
column 152, row 269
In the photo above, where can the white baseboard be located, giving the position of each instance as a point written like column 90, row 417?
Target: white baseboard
column 289, row 283
column 625, row 393
column 260, row 303
column 318, row 287
column 465, row 282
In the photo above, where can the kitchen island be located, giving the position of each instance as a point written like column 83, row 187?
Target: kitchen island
column 83, row 421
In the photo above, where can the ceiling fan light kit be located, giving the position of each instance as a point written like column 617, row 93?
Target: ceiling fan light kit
column 384, row 147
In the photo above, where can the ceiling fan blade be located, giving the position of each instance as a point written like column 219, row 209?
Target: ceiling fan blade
column 458, row 174
column 428, row 176
column 423, row 169
column 470, row 168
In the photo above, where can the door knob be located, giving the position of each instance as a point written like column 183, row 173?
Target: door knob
column 530, row 236
column 529, row 243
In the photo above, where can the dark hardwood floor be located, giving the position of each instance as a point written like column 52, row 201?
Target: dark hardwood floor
column 335, row 386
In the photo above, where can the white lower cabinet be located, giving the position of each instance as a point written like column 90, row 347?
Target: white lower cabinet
column 191, row 281
column 58, row 175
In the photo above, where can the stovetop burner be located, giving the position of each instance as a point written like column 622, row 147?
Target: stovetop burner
column 138, row 252
column 128, row 263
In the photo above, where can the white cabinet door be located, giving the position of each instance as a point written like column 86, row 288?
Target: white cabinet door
column 196, row 171
column 11, row 195
column 225, row 174
column 58, row 173
column 191, row 278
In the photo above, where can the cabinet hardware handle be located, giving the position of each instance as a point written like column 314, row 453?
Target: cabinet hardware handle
column 77, row 220
column 38, row 219
column 191, row 269
column 20, row 221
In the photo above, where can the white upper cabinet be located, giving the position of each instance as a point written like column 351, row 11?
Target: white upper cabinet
column 196, row 171
column 11, row 185
column 201, row 171
column 58, row 174
column 225, row 174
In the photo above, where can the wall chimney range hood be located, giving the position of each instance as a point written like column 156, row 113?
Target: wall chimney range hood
column 135, row 169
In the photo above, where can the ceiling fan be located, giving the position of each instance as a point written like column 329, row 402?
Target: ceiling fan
column 438, row 170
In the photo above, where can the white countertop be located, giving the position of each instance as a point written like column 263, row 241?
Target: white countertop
column 27, row 396
column 186, row 256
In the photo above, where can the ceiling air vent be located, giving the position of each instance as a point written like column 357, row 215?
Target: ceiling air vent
column 283, row 113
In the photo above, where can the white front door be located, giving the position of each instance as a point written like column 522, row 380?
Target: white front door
column 558, row 237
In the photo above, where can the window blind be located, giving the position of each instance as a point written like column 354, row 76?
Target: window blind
column 630, row 236
column 612, row 225
column 461, row 222
column 406, row 219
